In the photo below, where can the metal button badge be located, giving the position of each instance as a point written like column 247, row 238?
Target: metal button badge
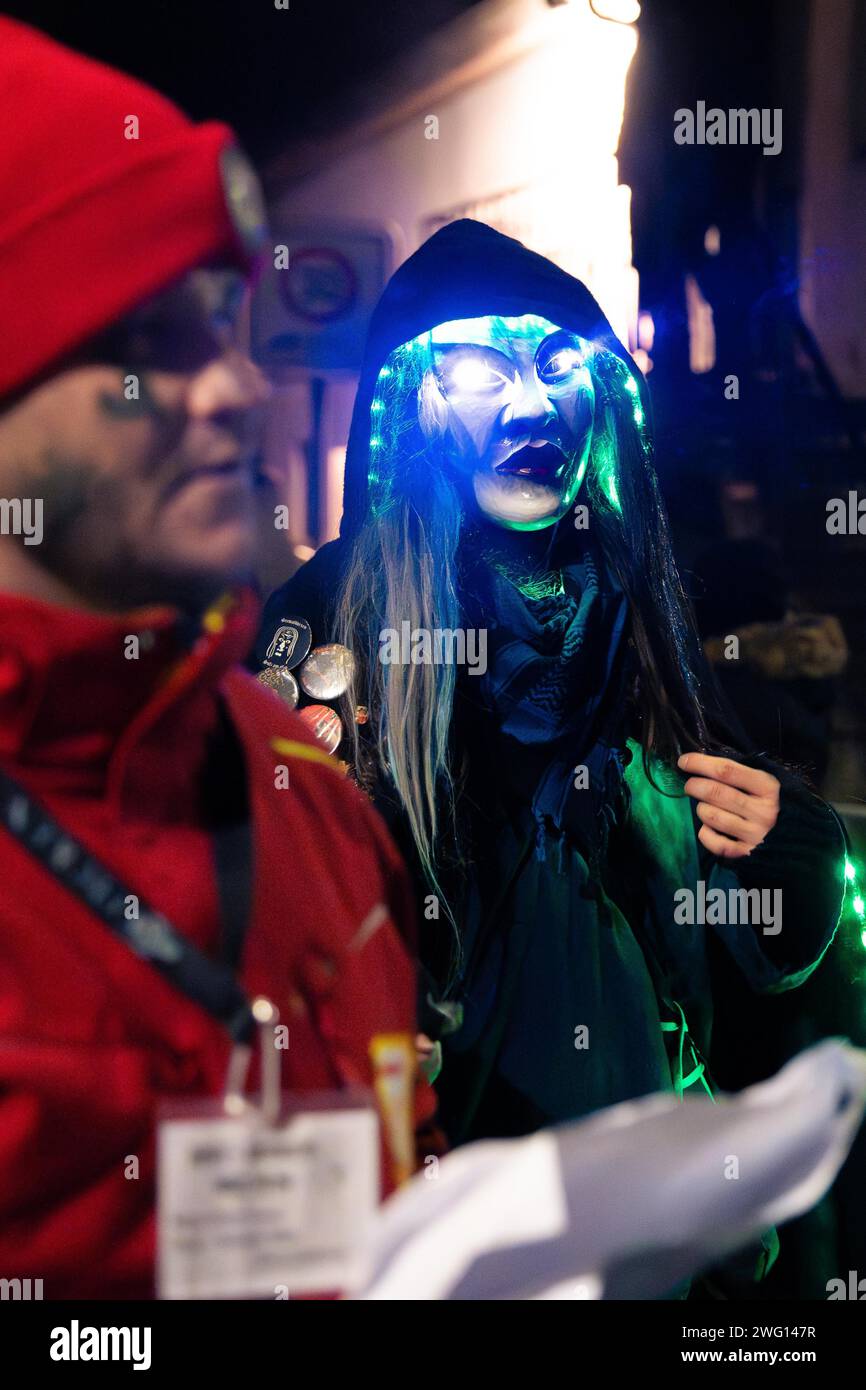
column 290, row 643
column 325, row 724
column 283, row 682
column 244, row 199
column 327, row 672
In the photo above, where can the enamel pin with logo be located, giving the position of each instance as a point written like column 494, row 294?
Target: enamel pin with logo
column 282, row 682
column 290, row 643
column 325, row 724
column 327, row 672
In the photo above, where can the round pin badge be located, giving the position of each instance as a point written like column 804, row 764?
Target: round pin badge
column 244, row 200
column 327, row 671
column 281, row 680
column 325, row 724
column 290, row 643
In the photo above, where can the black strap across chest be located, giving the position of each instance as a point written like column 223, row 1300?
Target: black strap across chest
column 145, row 930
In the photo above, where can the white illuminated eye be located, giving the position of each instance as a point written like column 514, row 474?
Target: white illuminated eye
column 483, row 377
column 470, row 375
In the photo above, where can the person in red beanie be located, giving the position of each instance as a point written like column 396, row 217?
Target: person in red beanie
column 142, row 771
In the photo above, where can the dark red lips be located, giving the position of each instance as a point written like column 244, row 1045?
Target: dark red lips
column 544, row 464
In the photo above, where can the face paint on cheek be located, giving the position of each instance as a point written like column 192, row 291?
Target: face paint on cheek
column 134, row 402
column 66, row 488
column 160, row 428
column 84, row 513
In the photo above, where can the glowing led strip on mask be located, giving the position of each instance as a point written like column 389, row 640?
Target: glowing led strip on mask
column 405, row 369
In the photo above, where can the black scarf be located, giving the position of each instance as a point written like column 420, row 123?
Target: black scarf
column 556, row 680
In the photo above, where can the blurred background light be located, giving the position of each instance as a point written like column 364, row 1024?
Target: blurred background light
column 712, row 241
column 621, row 11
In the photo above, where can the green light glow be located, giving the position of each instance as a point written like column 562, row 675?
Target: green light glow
column 606, row 470
column 855, row 905
column 489, row 330
column 547, row 586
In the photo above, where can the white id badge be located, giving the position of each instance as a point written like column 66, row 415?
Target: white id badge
column 256, row 1207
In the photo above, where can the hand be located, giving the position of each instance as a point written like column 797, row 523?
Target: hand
column 738, row 805
column 429, row 1055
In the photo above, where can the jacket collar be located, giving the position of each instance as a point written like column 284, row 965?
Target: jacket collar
column 84, row 697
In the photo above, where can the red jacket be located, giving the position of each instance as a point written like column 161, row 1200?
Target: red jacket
column 91, row 1036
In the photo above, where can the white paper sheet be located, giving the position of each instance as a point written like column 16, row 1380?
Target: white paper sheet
column 628, row 1202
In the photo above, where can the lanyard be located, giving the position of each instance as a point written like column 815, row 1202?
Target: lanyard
column 149, row 934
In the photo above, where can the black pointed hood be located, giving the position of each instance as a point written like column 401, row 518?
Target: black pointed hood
column 465, row 270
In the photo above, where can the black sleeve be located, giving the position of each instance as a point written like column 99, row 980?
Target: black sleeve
column 803, row 856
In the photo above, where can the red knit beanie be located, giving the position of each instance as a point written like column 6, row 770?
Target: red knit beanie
column 107, row 194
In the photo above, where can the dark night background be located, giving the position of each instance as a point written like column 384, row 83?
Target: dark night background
column 267, row 72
